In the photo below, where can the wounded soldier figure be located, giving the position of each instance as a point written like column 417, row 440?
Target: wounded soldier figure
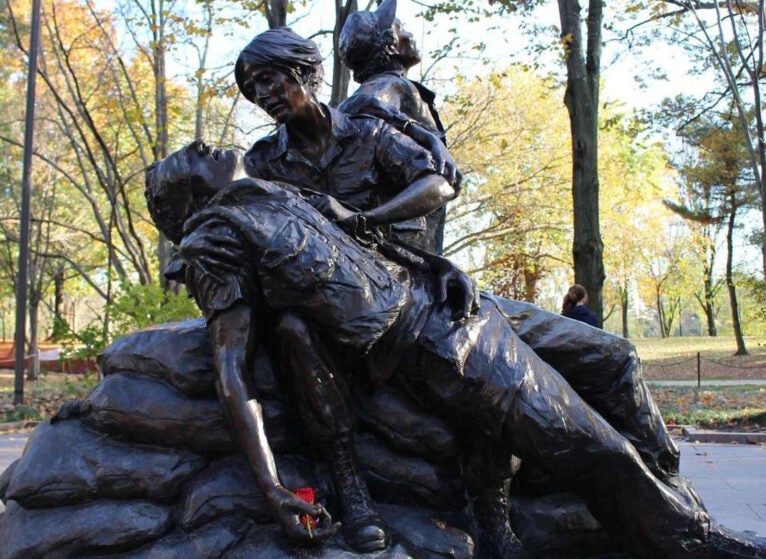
column 260, row 259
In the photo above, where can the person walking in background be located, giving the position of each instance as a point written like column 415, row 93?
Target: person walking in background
column 574, row 306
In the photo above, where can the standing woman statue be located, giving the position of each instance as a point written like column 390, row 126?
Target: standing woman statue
column 380, row 51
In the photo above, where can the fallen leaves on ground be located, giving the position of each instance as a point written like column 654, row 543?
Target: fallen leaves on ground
column 723, row 408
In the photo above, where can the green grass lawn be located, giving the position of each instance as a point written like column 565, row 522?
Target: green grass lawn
column 724, row 407
column 676, row 358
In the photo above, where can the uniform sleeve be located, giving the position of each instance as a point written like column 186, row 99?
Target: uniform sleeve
column 400, row 160
column 209, row 278
column 363, row 103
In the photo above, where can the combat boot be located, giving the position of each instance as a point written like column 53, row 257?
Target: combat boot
column 362, row 527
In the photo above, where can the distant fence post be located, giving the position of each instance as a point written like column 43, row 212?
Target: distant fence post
column 699, row 371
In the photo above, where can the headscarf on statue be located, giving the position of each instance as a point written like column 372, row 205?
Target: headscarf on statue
column 285, row 50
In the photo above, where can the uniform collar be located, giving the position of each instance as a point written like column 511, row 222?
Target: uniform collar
column 341, row 128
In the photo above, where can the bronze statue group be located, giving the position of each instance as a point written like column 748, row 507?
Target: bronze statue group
column 321, row 245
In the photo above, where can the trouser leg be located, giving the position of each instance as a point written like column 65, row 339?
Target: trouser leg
column 320, row 396
column 551, row 425
column 605, row 371
column 318, row 393
column 506, row 393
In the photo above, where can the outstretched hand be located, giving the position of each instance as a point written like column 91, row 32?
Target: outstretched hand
column 290, row 509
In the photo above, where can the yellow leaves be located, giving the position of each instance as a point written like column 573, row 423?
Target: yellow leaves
column 510, row 133
column 567, row 39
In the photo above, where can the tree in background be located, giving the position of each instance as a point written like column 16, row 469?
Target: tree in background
column 94, row 137
column 511, row 215
column 729, row 37
column 720, row 184
column 699, row 202
column 665, row 262
column 635, row 176
column 582, row 57
column 583, row 61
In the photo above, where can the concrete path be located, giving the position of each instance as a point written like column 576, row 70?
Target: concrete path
column 10, row 449
column 730, row 478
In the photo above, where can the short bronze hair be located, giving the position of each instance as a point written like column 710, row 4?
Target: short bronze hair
column 368, row 38
column 169, row 194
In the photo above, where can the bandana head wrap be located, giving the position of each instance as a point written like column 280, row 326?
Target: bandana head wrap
column 282, row 49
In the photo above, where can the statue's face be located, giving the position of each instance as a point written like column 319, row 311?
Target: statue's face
column 406, row 49
column 211, row 168
column 277, row 93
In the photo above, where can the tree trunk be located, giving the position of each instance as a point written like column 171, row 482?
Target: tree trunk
column 624, row 300
column 341, row 77
column 159, row 53
column 33, row 351
column 59, row 321
column 532, row 276
column 712, row 330
column 660, row 315
column 736, row 325
column 708, row 305
column 581, row 100
column 276, row 13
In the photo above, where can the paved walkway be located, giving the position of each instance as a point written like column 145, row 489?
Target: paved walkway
column 730, row 478
column 10, row 449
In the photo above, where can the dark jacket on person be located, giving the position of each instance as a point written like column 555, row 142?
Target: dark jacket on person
column 583, row 314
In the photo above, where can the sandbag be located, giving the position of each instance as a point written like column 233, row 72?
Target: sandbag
column 148, row 411
column 266, row 541
column 71, row 532
column 66, row 463
column 229, row 487
column 223, row 488
column 560, row 526
column 400, row 422
column 178, row 353
column 209, row 541
column 406, row 480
